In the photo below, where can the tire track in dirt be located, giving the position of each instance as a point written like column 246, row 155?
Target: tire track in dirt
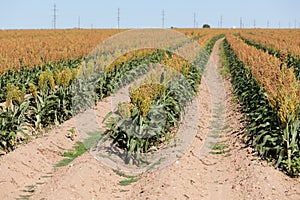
column 30, row 162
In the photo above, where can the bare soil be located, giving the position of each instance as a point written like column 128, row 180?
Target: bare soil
column 228, row 171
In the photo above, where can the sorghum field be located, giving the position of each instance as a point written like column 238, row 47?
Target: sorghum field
column 248, row 79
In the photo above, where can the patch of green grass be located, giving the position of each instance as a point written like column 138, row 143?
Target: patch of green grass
column 225, row 71
column 48, row 175
column 92, row 140
column 79, row 149
column 128, row 181
column 25, row 197
column 124, row 190
column 29, row 188
column 219, row 148
column 152, row 165
column 234, row 100
column 122, row 174
column 215, row 152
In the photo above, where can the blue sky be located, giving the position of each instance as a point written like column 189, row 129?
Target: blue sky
column 20, row 14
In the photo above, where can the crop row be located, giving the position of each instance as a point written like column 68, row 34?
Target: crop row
column 26, row 74
column 31, row 48
column 270, row 98
column 275, row 40
column 47, row 97
column 286, row 52
column 155, row 108
column 50, row 99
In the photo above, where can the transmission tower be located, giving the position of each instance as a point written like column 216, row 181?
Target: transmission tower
column 194, row 20
column 79, row 22
column 163, row 19
column 221, row 21
column 54, row 16
column 268, row 24
column 241, row 23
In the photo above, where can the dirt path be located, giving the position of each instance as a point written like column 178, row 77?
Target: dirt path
column 230, row 171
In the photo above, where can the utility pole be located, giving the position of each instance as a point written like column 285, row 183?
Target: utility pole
column 241, row 23
column 194, row 20
column 221, row 21
column 163, row 18
column 118, row 18
column 79, row 22
column 54, row 16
